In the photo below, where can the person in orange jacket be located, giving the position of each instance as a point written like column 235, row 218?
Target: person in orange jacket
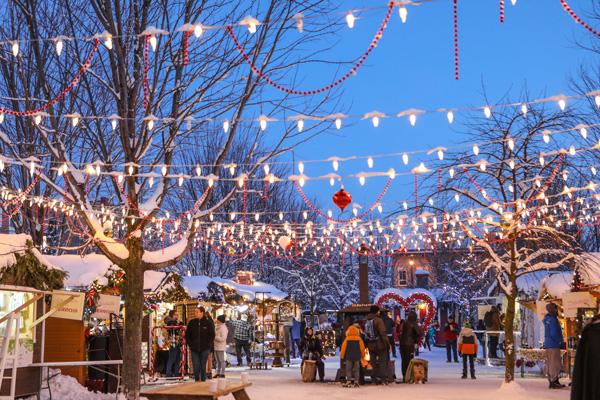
column 467, row 346
column 353, row 351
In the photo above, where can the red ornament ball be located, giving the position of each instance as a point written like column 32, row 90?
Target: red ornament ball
column 342, row 199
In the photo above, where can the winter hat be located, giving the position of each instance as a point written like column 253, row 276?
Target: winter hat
column 374, row 309
column 221, row 318
column 552, row 309
column 467, row 324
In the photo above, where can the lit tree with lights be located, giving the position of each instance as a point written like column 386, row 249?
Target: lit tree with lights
column 514, row 202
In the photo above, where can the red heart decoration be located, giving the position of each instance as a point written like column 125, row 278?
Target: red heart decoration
column 406, row 302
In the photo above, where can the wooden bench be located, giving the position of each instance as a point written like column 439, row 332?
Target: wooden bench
column 197, row 391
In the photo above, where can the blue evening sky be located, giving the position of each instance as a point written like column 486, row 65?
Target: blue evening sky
column 412, row 67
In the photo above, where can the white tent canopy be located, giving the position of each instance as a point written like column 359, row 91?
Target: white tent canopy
column 194, row 285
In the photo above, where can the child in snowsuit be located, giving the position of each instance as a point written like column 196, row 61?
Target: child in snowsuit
column 353, row 351
column 467, row 346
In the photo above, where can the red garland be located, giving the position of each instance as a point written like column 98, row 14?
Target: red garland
column 501, row 11
column 146, row 65
column 63, row 93
column 455, row 14
column 328, row 87
column 577, row 19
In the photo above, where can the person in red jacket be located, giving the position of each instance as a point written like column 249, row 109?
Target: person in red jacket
column 451, row 333
column 467, row 346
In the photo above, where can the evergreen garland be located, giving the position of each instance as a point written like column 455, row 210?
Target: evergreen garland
column 29, row 271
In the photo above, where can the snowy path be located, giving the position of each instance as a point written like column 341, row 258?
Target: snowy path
column 444, row 384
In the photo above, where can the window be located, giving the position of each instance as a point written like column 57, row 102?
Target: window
column 402, row 278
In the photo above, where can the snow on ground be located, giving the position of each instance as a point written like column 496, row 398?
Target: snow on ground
column 285, row 383
column 444, row 384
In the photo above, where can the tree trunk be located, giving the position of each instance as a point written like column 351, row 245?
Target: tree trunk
column 509, row 342
column 132, row 335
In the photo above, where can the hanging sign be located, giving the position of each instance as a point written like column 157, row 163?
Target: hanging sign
column 107, row 305
column 574, row 300
column 71, row 310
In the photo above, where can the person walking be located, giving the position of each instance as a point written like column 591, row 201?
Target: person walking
column 174, row 338
column 467, row 346
column 200, row 336
column 431, row 335
column 553, row 343
column 379, row 347
column 244, row 334
column 353, row 351
column 310, row 345
column 409, row 339
column 221, row 332
column 451, row 334
column 481, row 336
column 495, row 326
column 585, row 384
column 296, row 337
column 389, row 330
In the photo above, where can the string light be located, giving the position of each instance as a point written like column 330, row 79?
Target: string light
column 338, row 123
column 15, row 49
column 226, row 125
column 370, row 162
column 450, row 116
column 413, row 119
column 403, row 13
column 198, row 30
column 59, row 46
column 405, row 158
column 108, row 42
column 350, row 20
column 300, row 125
column 487, row 111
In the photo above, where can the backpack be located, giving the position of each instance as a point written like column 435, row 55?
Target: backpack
column 370, row 334
column 488, row 319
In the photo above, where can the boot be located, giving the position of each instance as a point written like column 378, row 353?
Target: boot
column 555, row 384
column 464, row 375
column 473, row 374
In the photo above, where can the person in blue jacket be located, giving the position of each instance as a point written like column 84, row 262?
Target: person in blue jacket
column 295, row 338
column 553, row 342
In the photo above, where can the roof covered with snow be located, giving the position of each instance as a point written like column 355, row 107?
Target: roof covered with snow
column 83, row 270
column 194, row 285
column 11, row 244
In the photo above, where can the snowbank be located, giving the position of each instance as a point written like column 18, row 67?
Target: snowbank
column 11, row 244
column 85, row 270
column 194, row 285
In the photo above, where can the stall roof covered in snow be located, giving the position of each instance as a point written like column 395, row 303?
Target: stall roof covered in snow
column 194, row 285
column 11, row 244
column 83, row 270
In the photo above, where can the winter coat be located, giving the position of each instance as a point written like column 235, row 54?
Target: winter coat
column 496, row 324
column 353, row 348
column 451, row 332
column 585, row 384
column 379, row 327
column 230, row 332
column 295, row 331
column 221, row 332
column 411, row 331
column 312, row 344
column 553, row 338
column 389, row 325
column 467, row 341
column 200, row 334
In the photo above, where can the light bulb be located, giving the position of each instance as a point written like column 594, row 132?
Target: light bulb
column 572, row 150
column 272, row 178
column 562, row 104
column 38, row 119
column 338, row 123
column 457, row 197
column 513, row 2
column 362, row 180
column 75, row 121
column 375, row 121
column 252, row 27
column 440, row 154
column 405, row 158
column 300, row 125
column 405, row 205
column 370, row 162
column 108, row 42
column 198, row 170
column 114, row 124
column 413, row 119
column 232, row 170
column 512, row 164
column 153, row 42
column 583, row 133
column 331, row 181
column 151, row 181
column 180, row 180
column 597, row 100
column 546, row 137
column 335, row 165
column 131, row 170
column 226, row 125
column 475, row 149
column 1, row 118
column 15, row 49
column 450, row 116
column 59, row 47
column 487, row 112
column 594, row 170
column 403, row 13
column 301, row 167
column 511, row 144
column 524, row 109
column 198, row 30
column 482, row 166
column 150, row 125
column 299, row 24
column 241, row 182
column 263, row 123
column 211, row 182
column 392, row 173
column 266, row 168
column 350, row 20
column 301, row 181
column 164, row 170
column 451, row 172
